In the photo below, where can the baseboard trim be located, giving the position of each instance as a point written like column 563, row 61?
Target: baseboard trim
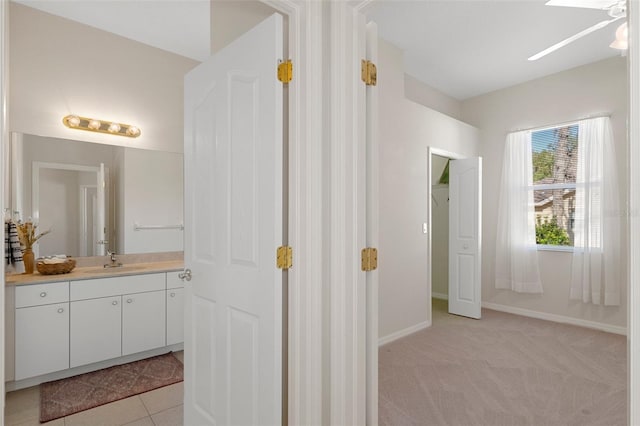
column 402, row 333
column 440, row 296
column 556, row 318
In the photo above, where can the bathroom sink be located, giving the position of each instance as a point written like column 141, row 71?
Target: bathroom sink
column 116, row 269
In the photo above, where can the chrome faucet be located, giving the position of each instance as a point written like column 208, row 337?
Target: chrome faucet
column 114, row 260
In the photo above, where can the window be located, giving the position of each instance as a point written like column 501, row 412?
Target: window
column 554, row 155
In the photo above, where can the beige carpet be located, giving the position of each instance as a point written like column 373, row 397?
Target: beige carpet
column 503, row 370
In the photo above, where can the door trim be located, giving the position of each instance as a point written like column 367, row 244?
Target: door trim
column 304, row 46
column 453, row 156
column 633, row 321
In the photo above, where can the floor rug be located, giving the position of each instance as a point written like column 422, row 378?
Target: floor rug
column 68, row 396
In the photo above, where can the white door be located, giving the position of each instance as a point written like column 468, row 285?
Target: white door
column 100, row 214
column 233, row 226
column 465, row 219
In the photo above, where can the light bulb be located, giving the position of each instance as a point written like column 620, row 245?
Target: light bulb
column 114, row 127
column 133, row 131
column 73, row 120
column 94, row 124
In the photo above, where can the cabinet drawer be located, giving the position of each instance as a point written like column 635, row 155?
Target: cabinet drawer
column 114, row 286
column 42, row 294
column 173, row 281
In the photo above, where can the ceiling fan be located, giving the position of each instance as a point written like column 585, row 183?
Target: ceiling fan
column 616, row 9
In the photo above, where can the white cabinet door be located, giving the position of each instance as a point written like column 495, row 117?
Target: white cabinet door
column 173, row 281
column 96, row 326
column 143, row 320
column 42, row 340
column 175, row 316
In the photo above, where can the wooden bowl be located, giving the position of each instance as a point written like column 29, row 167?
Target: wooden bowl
column 55, row 268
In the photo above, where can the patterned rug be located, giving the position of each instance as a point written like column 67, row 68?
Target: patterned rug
column 68, row 396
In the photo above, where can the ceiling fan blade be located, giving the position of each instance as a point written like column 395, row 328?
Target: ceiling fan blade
column 573, row 38
column 587, row 4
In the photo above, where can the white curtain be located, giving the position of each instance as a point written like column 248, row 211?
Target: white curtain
column 516, row 251
column 595, row 269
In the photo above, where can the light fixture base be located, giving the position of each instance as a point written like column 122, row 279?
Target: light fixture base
column 101, row 126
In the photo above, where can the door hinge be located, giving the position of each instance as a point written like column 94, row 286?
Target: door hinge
column 285, row 71
column 369, row 259
column 369, row 73
column 284, row 257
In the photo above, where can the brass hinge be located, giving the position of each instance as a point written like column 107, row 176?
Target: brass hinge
column 284, row 257
column 369, row 259
column 369, row 73
column 285, row 71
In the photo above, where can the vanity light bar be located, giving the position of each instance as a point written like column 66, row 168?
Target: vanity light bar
column 101, row 126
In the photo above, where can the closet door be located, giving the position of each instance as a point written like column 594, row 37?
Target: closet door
column 465, row 225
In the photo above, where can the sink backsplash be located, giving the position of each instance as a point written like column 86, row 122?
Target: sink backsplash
column 127, row 259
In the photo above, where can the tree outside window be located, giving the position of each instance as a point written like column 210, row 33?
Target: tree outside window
column 555, row 159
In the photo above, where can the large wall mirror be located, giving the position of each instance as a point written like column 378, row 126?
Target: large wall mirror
column 137, row 209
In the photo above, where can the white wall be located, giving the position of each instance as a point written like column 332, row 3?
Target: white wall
column 152, row 183
column 406, row 130
column 419, row 92
column 232, row 18
column 588, row 90
column 61, row 67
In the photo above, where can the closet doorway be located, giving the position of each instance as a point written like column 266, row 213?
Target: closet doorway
column 440, row 227
column 454, row 232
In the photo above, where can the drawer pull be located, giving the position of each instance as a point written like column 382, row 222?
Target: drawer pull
column 43, row 294
column 173, row 295
column 114, row 303
column 61, row 310
column 129, row 300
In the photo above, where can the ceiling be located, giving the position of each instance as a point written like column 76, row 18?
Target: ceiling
column 462, row 48
column 467, row 48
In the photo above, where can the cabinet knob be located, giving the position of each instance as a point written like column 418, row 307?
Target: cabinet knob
column 114, row 303
column 172, row 295
column 61, row 310
column 43, row 294
column 129, row 300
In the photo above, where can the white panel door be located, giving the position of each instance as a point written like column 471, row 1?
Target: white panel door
column 465, row 225
column 233, row 225
column 101, row 235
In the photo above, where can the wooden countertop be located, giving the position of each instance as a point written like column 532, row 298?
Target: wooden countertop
column 86, row 273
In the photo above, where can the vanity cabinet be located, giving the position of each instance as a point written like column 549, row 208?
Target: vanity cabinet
column 116, row 316
column 175, row 309
column 61, row 325
column 143, row 319
column 41, row 329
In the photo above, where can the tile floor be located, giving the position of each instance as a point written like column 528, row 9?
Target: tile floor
column 159, row 407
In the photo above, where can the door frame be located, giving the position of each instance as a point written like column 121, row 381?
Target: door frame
column 633, row 285
column 83, row 228
column 36, row 166
column 431, row 151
